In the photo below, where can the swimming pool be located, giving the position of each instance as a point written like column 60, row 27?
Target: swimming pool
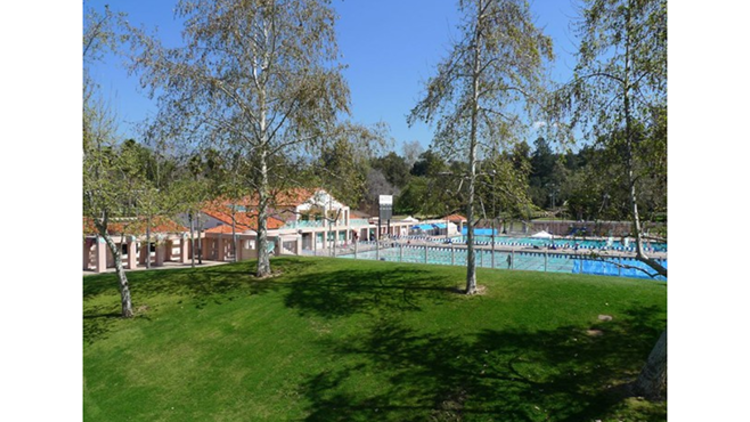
column 484, row 237
column 529, row 261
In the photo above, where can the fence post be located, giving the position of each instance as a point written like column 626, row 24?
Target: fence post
column 425, row 253
column 512, row 259
column 356, row 249
column 377, row 250
column 481, row 258
column 545, row 260
column 493, row 252
column 400, row 252
column 453, row 255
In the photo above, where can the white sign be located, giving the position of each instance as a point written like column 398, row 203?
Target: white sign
column 386, row 200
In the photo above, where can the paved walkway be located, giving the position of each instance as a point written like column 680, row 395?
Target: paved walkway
column 166, row 266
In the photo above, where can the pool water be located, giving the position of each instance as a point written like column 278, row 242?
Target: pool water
column 529, row 261
column 484, row 237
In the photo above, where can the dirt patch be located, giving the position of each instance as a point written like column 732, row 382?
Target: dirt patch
column 480, row 290
column 266, row 277
column 595, row 333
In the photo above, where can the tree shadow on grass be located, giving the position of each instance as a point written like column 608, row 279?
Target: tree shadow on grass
column 372, row 291
column 323, row 292
column 509, row 375
column 97, row 323
column 206, row 285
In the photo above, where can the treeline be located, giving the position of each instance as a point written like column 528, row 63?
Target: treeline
column 528, row 181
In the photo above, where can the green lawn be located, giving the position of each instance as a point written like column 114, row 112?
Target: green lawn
column 343, row 340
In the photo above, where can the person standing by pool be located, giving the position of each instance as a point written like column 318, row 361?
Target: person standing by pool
column 510, row 261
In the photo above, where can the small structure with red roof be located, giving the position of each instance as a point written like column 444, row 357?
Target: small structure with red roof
column 156, row 240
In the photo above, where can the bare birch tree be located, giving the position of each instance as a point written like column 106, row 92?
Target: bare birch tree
column 259, row 77
column 620, row 84
column 491, row 73
column 107, row 181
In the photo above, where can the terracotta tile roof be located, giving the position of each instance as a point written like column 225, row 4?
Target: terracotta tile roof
column 286, row 198
column 136, row 226
column 221, row 209
column 224, row 229
column 454, row 218
column 244, row 219
column 280, row 199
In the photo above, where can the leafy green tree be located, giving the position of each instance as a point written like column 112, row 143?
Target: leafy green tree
column 493, row 68
column 156, row 196
column 394, row 167
column 343, row 172
column 258, row 77
column 429, row 163
column 411, row 200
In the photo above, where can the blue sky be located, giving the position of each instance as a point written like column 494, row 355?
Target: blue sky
column 390, row 46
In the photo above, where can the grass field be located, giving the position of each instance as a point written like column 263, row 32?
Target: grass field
column 342, row 340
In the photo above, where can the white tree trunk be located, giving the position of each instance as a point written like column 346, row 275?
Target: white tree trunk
column 652, row 380
column 127, row 306
column 264, row 263
column 471, row 271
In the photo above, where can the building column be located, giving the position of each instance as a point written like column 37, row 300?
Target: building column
column 276, row 246
column 161, row 246
column 132, row 253
column 220, row 244
column 143, row 254
column 110, row 258
column 184, row 247
column 101, row 255
column 86, row 254
column 168, row 246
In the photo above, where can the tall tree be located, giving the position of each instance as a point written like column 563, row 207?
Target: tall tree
column 110, row 181
column 620, row 83
column 493, row 69
column 256, row 76
column 109, row 175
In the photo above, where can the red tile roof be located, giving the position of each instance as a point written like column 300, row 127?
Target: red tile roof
column 244, row 220
column 286, row 198
column 136, row 226
column 224, row 229
column 454, row 218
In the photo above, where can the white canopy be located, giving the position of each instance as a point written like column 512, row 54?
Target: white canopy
column 542, row 235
